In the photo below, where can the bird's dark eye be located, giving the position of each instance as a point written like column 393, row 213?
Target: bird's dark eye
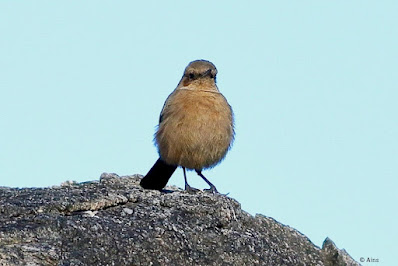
column 191, row 75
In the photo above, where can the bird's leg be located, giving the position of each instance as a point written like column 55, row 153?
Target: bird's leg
column 188, row 187
column 212, row 188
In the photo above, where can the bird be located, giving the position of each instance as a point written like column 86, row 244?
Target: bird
column 196, row 128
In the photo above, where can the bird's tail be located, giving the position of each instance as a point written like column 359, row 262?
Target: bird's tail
column 158, row 176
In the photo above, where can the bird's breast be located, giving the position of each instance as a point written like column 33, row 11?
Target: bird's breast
column 196, row 129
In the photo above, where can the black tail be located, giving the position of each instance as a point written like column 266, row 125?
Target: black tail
column 158, row 176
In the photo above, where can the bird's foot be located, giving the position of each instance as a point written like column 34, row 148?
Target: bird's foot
column 190, row 189
column 212, row 190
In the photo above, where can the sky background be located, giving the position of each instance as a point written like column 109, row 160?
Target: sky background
column 313, row 85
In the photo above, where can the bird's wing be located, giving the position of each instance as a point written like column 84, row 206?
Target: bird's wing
column 165, row 106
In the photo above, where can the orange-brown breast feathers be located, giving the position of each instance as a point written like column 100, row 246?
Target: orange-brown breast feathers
column 200, row 132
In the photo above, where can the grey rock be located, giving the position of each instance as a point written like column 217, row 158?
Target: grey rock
column 114, row 221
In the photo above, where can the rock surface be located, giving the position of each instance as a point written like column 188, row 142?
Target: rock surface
column 114, row 221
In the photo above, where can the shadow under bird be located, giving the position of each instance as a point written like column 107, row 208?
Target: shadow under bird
column 196, row 127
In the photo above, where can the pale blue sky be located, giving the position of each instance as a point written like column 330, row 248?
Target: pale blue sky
column 313, row 85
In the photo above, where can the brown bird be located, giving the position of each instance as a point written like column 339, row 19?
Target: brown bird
column 196, row 127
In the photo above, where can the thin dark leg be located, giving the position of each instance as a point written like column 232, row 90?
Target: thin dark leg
column 212, row 187
column 185, row 177
column 188, row 187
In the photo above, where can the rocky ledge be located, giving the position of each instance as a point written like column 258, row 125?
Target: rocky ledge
column 114, row 221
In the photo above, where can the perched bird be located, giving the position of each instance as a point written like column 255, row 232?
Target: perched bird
column 196, row 127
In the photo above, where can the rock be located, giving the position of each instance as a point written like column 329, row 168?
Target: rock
column 114, row 221
column 334, row 256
